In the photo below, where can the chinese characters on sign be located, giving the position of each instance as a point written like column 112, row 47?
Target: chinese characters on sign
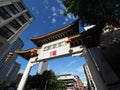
column 60, row 44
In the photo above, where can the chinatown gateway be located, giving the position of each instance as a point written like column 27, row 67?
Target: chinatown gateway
column 63, row 42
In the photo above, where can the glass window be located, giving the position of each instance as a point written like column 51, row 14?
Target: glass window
column 4, row 14
column 13, row 9
column 28, row 15
column 15, row 24
column 21, row 5
column 22, row 19
column 5, row 32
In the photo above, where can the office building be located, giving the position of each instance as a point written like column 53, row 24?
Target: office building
column 5, row 67
column 12, row 73
column 19, row 76
column 80, row 84
column 90, row 81
column 42, row 67
column 14, row 19
column 72, row 82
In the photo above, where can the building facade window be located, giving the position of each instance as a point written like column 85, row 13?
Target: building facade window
column 5, row 32
column 28, row 15
column 4, row 14
column 22, row 19
column 15, row 24
column 21, row 5
column 13, row 9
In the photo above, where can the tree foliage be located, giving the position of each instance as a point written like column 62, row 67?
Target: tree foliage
column 47, row 80
column 2, row 82
column 93, row 11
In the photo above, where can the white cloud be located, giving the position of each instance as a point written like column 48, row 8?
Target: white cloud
column 69, row 16
column 46, row 3
column 62, row 6
column 53, row 20
column 54, row 14
column 66, row 19
column 71, row 63
column 49, row 17
column 61, row 11
column 85, row 83
column 35, row 10
column 80, row 69
column 59, row 1
column 53, row 9
column 64, row 22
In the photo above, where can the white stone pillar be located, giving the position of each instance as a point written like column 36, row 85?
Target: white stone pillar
column 25, row 75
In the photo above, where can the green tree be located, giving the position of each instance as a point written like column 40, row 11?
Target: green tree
column 93, row 11
column 47, row 81
column 2, row 82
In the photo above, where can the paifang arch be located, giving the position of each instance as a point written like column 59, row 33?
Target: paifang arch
column 60, row 43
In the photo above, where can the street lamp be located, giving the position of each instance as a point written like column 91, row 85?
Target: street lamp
column 46, row 85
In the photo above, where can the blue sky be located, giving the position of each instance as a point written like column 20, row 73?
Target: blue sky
column 48, row 17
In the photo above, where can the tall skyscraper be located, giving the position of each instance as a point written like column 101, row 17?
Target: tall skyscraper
column 12, row 74
column 5, row 67
column 42, row 67
column 14, row 18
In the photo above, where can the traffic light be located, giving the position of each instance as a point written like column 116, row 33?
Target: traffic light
column 10, row 54
column 33, row 52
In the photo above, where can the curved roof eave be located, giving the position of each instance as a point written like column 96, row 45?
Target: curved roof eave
column 57, row 31
column 25, row 53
